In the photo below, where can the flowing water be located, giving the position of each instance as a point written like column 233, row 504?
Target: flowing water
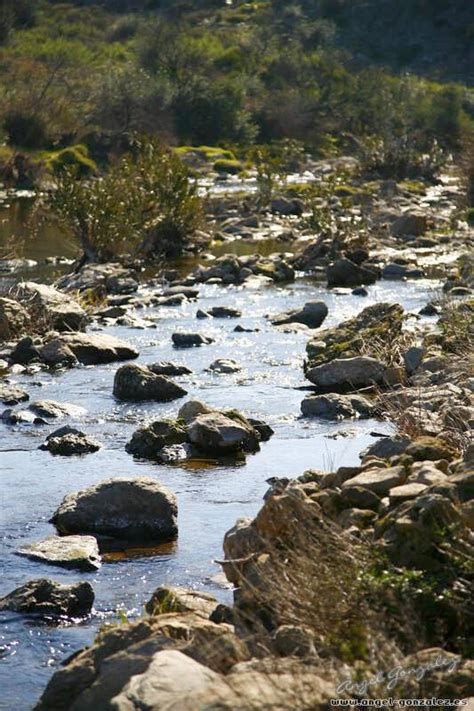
column 210, row 499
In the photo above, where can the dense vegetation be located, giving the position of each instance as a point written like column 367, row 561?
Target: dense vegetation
column 206, row 72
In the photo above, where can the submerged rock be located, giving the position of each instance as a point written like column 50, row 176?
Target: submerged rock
column 49, row 598
column 79, row 552
column 125, row 508
column 134, row 382
column 51, row 408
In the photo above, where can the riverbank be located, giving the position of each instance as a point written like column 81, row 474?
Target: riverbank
column 270, row 386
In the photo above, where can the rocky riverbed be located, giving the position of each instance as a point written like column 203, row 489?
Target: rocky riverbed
column 143, row 414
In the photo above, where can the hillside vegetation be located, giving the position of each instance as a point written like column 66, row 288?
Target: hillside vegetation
column 380, row 77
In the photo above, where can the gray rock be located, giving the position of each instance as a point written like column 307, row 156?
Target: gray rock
column 224, row 312
column 312, row 315
column 148, row 442
column 347, row 373
column 21, row 417
column 57, row 354
column 51, row 408
column 49, row 598
column 14, row 319
column 386, row 447
column 360, row 497
column 329, row 407
column 406, row 492
column 12, row 394
column 25, row 351
column 70, row 444
column 53, row 307
column 343, row 272
column 411, row 223
column 379, row 481
column 81, row 552
column 412, row 358
column 217, row 434
column 125, row 507
column 192, row 409
column 285, row 206
column 190, row 340
column 170, row 369
column 91, row 349
column 135, row 383
column 186, row 291
column 294, row 641
column 225, row 365
column 174, row 599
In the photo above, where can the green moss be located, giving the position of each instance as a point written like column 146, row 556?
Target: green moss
column 76, row 157
column 413, row 186
column 224, row 165
column 209, row 153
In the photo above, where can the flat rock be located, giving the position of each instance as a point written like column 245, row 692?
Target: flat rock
column 136, row 383
column 174, row 599
column 91, row 349
column 225, row 365
column 81, row 552
column 347, row 373
column 406, row 492
column 328, row 407
column 386, row 447
column 379, row 481
column 125, row 508
column 12, row 394
column 51, row 408
column 224, row 312
column 49, row 598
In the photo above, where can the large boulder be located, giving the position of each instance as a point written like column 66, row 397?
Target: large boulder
column 52, row 308
column 49, row 598
column 91, row 349
column 14, row 319
column 328, row 407
column 127, row 508
column 137, row 382
column 79, row 552
column 347, row 373
column 312, row 315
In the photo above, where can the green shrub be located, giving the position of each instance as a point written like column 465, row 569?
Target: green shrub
column 146, row 204
column 25, row 130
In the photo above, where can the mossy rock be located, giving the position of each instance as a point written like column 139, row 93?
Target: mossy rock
column 76, row 157
column 430, row 449
column 374, row 326
column 224, row 165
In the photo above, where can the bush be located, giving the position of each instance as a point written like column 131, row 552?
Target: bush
column 145, row 204
column 25, row 130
